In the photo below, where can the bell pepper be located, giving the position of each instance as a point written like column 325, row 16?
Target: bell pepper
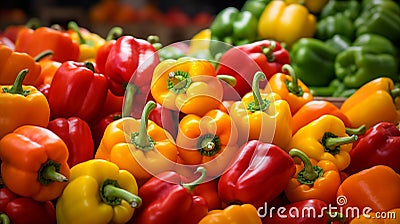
column 168, row 198
column 257, row 113
column 210, row 140
column 48, row 69
column 358, row 65
column 188, row 85
column 34, row 162
column 21, row 210
column 256, row 7
column 339, row 42
column 377, row 188
column 286, row 23
column 245, row 213
column 389, row 217
column 335, row 24
column 256, row 166
column 351, row 9
column 36, row 41
column 374, row 102
column 103, row 51
column 12, row 31
column 139, row 146
column 21, row 104
column 165, row 118
column 313, row 61
column 313, row 6
column 209, row 191
column 325, row 139
column 112, row 104
column 6, row 41
column 98, row 192
column 313, row 180
column 315, row 109
column 379, row 146
column 377, row 43
column 132, row 59
column 76, row 90
column 289, row 88
column 242, row 62
column 98, row 128
column 76, row 134
column 381, row 18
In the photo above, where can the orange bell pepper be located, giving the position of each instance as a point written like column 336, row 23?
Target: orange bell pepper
column 313, row 180
column 245, row 213
column 376, row 188
column 34, row 162
column 291, row 89
column 139, row 146
column 262, row 116
column 49, row 68
column 201, row 140
column 389, row 217
column 313, row 110
column 21, row 105
column 374, row 102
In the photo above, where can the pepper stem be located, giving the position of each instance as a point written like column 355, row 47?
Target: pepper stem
column 130, row 92
column 112, row 194
column 49, row 173
column 74, row 26
column 259, row 103
column 356, row 131
column 336, row 217
column 141, row 140
column 114, row 32
column 43, row 55
column 228, row 79
column 269, row 51
column 292, row 86
column 89, row 65
column 17, row 86
column 192, row 185
column 332, row 142
column 309, row 173
column 4, row 218
column 395, row 93
column 155, row 41
column 178, row 81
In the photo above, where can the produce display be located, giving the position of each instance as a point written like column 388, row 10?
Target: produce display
column 236, row 125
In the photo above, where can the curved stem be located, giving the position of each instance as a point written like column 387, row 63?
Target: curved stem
column 309, row 173
column 74, row 26
column 114, row 33
column 50, row 173
column 17, row 86
column 269, row 51
column 192, row 185
column 356, row 131
column 33, row 23
column 43, row 55
column 141, row 140
column 130, row 92
column 293, row 86
column 259, row 104
column 4, row 219
column 228, row 79
column 111, row 191
column 332, row 142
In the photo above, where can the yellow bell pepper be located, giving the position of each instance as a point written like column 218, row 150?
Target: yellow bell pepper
column 286, row 22
column 262, row 116
column 245, row 213
column 312, row 5
column 200, row 41
column 98, row 192
column 325, row 139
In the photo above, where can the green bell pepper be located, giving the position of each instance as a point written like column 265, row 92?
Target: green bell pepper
column 378, row 43
column 334, row 88
column 339, row 42
column 350, row 9
column 313, row 61
column 170, row 52
column 256, row 7
column 335, row 24
column 381, row 18
column 359, row 65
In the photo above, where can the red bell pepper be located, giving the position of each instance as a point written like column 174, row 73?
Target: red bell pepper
column 165, row 118
column 77, row 91
column 76, row 134
column 380, row 145
column 166, row 200
column 100, row 126
column 104, row 50
column 209, row 191
column 130, row 60
column 243, row 61
column 257, row 166
column 22, row 210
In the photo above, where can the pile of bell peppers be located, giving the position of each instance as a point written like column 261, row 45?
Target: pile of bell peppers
column 105, row 130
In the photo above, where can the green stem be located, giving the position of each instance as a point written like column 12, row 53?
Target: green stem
column 259, row 103
column 192, row 185
column 336, row 217
column 395, row 93
column 332, row 142
column 155, row 41
column 17, row 86
column 130, row 92
column 178, row 81
column 33, row 23
column 228, row 79
column 74, row 26
column 49, row 173
column 112, row 194
column 114, row 33
column 208, row 144
column 293, row 86
column 309, row 173
column 356, row 131
column 43, row 55
column 141, row 140
column 269, row 51
column 89, row 65
column 4, row 219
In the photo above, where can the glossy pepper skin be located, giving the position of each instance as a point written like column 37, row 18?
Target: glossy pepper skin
column 256, row 165
column 392, row 217
column 209, row 191
column 132, row 60
column 76, row 90
column 20, row 104
column 313, row 61
column 132, row 144
column 103, row 51
column 358, row 65
column 374, row 102
column 76, row 134
column 377, row 187
column 258, row 112
column 335, row 24
column 36, row 41
column 98, row 192
column 290, row 88
column 243, row 61
column 188, row 85
column 21, row 210
column 325, row 139
column 350, row 9
column 315, row 109
column 245, row 213
column 377, row 43
column 34, row 162
column 379, row 146
column 313, row 180
column 168, row 199
column 286, row 23
column 99, row 127
column 256, row 7
column 48, row 69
